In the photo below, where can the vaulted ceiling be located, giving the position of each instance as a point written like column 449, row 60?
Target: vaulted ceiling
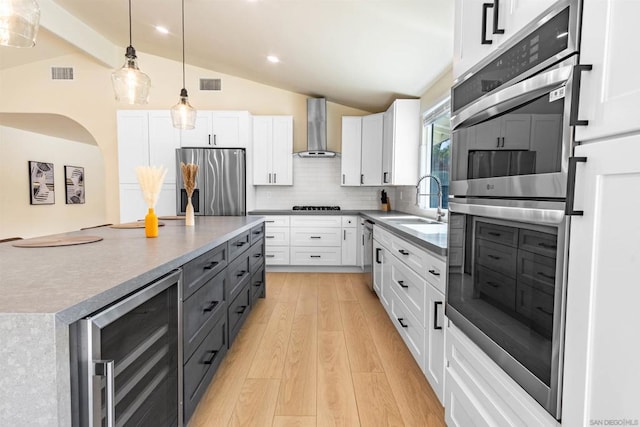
column 361, row 53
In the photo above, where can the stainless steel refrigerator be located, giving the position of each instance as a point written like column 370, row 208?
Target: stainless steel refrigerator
column 220, row 183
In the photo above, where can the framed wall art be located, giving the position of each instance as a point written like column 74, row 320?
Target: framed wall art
column 41, row 184
column 74, row 185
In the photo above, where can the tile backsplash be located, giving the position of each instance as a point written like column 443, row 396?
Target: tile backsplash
column 316, row 181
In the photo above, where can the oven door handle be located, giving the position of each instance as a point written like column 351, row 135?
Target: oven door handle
column 512, row 96
column 532, row 215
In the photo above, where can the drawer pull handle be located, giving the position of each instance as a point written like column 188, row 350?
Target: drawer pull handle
column 378, row 250
column 211, row 265
column 270, row 237
column 494, row 234
column 547, row 245
column 435, row 314
column 494, row 257
column 434, row 272
column 271, row 221
column 315, row 256
column 545, row 275
column 493, row 285
column 257, row 232
column 241, row 273
column 240, row 243
column 258, row 283
column 400, row 320
column 270, row 256
column 258, row 255
column 241, row 309
column 403, row 252
column 402, row 285
column 315, row 237
column 211, row 358
column 210, row 307
column 544, row 311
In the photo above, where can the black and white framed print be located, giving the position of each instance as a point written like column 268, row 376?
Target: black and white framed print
column 41, row 183
column 74, row 184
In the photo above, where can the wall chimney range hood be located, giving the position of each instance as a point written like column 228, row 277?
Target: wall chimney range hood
column 316, row 129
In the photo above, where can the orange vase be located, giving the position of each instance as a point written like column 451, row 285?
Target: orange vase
column 151, row 224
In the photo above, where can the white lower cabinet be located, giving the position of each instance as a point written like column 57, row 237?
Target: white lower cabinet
column 410, row 284
column 315, row 255
column 276, row 237
column 278, row 255
column 479, row 393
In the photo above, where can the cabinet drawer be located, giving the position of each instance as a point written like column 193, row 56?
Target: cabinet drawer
column 497, row 233
column 238, row 274
column 278, row 255
column 497, row 257
column 410, row 287
column 200, row 310
column 238, row 312
column 277, row 221
column 541, row 243
column 498, row 288
column 537, row 307
column 239, row 244
column 316, row 256
column 316, row 236
column 349, row 221
column 257, row 233
column 256, row 256
column 198, row 271
column 316, row 221
column 199, row 369
column 257, row 285
column 277, row 236
column 537, row 271
column 410, row 329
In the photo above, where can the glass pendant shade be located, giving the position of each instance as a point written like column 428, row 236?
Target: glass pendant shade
column 19, row 22
column 183, row 115
column 129, row 83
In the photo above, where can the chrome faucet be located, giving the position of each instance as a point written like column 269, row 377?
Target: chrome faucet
column 439, row 213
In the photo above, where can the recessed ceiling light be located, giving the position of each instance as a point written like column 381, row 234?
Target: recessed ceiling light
column 162, row 29
column 273, row 59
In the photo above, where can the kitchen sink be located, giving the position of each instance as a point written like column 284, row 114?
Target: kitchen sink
column 429, row 227
column 403, row 220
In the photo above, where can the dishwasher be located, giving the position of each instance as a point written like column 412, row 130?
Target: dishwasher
column 367, row 251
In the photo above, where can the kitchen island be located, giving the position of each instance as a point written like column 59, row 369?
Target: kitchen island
column 44, row 290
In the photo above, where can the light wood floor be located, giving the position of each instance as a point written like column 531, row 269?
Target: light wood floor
column 320, row 350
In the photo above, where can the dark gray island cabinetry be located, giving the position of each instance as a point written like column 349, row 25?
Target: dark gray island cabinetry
column 48, row 292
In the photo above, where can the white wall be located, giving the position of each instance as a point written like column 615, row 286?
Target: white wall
column 316, row 181
column 18, row 218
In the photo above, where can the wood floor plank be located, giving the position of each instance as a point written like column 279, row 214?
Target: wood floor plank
column 344, row 286
column 328, row 309
column 376, row 404
column 336, row 396
column 298, row 388
column 261, row 312
column 217, row 404
column 274, row 282
column 294, row 421
column 256, row 403
column 269, row 361
column 363, row 355
column 291, row 287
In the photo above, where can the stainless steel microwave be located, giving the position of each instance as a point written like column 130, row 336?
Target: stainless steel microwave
column 513, row 113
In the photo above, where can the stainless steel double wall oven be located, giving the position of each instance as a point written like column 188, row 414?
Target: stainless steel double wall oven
column 511, row 199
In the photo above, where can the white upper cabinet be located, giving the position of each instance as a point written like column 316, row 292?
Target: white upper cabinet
column 133, row 143
column 401, row 140
column 511, row 133
column 272, row 150
column 351, row 150
column 610, row 92
column 477, row 33
column 218, row 129
column 371, row 159
column 163, row 141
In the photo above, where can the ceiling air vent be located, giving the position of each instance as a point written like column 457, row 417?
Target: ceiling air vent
column 210, row 84
column 62, row 73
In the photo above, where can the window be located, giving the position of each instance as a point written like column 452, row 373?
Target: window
column 435, row 154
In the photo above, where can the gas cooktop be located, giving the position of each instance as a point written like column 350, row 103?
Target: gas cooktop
column 316, row 208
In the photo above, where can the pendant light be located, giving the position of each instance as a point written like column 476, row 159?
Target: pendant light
column 183, row 115
column 19, row 21
column 129, row 83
